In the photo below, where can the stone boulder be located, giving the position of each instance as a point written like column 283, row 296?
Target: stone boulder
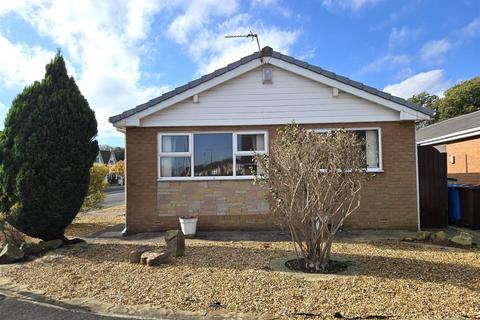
column 175, row 241
column 51, row 244
column 31, row 248
column 154, row 258
column 440, row 235
column 135, row 255
column 463, row 239
column 422, row 235
column 10, row 254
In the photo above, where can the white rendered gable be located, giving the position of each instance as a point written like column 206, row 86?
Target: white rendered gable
column 245, row 100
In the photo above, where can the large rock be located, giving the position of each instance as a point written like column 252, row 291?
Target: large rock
column 175, row 241
column 51, row 244
column 440, row 235
column 153, row 258
column 422, row 235
column 463, row 239
column 135, row 255
column 30, row 248
column 10, row 254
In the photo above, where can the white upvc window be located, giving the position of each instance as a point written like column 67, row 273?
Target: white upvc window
column 174, row 155
column 246, row 146
column 209, row 155
column 373, row 146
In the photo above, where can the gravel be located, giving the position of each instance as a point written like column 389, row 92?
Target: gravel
column 400, row 280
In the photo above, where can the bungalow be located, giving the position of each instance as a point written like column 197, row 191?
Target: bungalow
column 106, row 157
column 189, row 150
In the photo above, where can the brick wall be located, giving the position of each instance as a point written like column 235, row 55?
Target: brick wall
column 389, row 201
column 466, row 167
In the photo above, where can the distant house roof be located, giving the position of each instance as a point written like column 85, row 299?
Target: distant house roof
column 268, row 52
column 461, row 127
column 105, row 155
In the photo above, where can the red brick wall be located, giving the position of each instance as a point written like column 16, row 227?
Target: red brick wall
column 389, row 201
column 467, row 161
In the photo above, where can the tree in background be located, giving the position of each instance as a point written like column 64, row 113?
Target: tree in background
column 46, row 151
column 460, row 99
column 98, row 183
column 313, row 182
column 426, row 100
column 117, row 169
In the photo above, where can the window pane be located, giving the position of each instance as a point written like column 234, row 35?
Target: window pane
column 175, row 143
column 175, row 167
column 371, row 148
column 213, row 154
column 251, row 142
column 246, row 166
column 373, row 155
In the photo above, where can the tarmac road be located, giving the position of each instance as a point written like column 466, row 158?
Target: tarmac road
column 22, row 309
column 115, row 196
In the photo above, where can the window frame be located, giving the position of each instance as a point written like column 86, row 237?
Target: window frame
column 161, row 154
column 380, row 152
column 191, row 149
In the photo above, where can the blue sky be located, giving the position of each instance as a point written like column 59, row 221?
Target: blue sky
column 123, row 53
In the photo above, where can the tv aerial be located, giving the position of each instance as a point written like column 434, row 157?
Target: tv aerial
column 251, row 35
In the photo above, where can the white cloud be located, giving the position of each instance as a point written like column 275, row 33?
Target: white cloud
column 472, row 29
column 402, row 35
column 103, row 40
column 197, row 14
column 431, row 81
column 20, row 64
column 207, row 44
column 353, row 5
column 386, row 62
column 264, row 3
column 433, row 51
column 404, row 73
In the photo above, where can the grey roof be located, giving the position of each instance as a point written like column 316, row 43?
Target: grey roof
column 105, row 155
column 453, row 125
column 268, row 52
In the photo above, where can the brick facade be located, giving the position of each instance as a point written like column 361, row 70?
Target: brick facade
column 466, row 167
column 388, row 202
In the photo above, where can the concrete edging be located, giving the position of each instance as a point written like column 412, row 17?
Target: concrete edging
column 278, row 265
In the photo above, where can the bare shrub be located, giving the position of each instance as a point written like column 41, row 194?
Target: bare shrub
column 313, row 181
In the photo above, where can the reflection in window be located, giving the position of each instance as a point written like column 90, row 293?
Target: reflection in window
column 246, row 166
column 175, row 166
column 213, row 154
column 177, row 143
column 251, row 142
column 371, row 147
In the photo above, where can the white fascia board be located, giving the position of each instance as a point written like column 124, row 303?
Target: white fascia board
column 347, row 88
column 450, row 137
column 134, row 120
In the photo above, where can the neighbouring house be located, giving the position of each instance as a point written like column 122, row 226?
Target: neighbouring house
column 106, row 157
column 190, row 150
column 459, row 138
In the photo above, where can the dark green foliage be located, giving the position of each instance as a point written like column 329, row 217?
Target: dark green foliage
column 46, row 150
column 460, row 99
column 426, row 100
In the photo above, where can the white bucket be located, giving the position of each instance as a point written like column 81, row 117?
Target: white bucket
column 189, row 226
